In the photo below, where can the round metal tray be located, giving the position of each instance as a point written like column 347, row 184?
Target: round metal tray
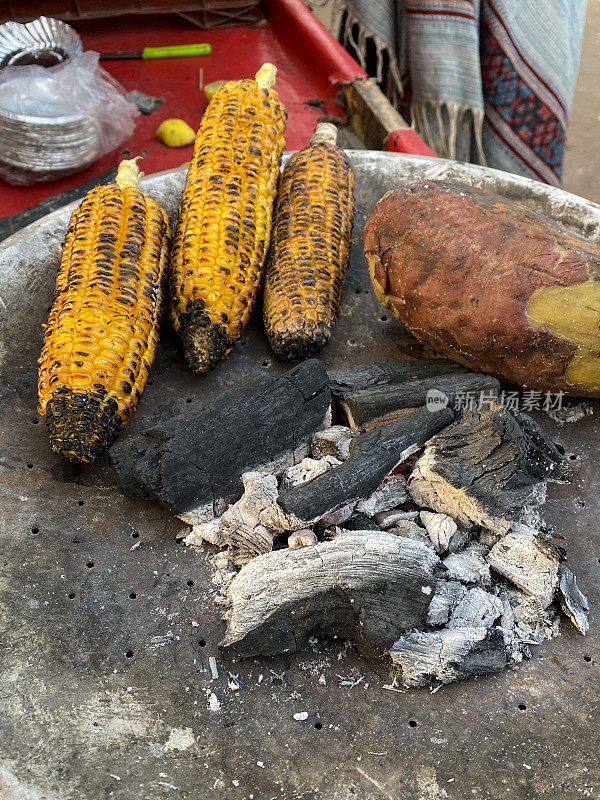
column 107, row 620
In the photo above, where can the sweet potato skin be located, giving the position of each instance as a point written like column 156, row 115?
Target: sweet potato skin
column 458, row 267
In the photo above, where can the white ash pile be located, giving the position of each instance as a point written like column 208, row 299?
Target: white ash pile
column 410, row 529
column 421, row 540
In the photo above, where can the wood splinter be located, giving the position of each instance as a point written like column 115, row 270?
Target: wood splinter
column 572, row 600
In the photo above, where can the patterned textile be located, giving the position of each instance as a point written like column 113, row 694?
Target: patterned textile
column 488, row 81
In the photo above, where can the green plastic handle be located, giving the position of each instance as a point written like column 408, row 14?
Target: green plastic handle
column 176, row 51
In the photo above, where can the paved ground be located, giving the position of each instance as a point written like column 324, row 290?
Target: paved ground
column 582, row 163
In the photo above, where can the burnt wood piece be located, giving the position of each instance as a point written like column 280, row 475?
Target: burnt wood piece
column 533, row 623
column 240, row 527
column 334, row 441
column 378, row 373
column 306, row 470
column 447, row 596
column 477, row 609
column 360, row 522
column 410, row 530
column 485, row 467
column 390, row 494
column 373, row 455
column 387, row 519
column 572, row 600
column 369, row 587
column 468, row 567
column 375, row 406
column 448, row 655
column 530, row 560
column 440, row 529
column 193, row 462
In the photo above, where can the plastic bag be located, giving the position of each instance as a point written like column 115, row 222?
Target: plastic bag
column 57, row 120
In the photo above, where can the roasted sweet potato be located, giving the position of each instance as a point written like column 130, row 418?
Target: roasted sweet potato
column 490, row 284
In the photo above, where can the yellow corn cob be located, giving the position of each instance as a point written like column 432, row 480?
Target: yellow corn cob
column 308, row 257
column 225, row 217
column 102, row 330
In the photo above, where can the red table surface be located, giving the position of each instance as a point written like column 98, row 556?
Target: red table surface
column 236, row 52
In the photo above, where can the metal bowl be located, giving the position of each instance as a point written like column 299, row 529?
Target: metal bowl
column 44, row 41
column 69, row 618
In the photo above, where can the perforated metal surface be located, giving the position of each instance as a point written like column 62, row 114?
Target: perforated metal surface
column 105, row 649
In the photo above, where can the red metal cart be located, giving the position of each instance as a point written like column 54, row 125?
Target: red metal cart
column 317, row 78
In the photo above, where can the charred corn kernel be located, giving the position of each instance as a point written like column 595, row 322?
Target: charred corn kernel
column 310, row 241
column 102, row 330
column 225, row 218
column 175, row 133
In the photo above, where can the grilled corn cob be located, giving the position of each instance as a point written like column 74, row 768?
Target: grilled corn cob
column 102, row 330
column 308, row 256
column 225, row 217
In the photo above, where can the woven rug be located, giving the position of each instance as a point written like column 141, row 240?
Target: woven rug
column 486, row 81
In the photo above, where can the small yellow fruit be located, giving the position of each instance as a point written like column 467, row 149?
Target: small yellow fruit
column 175, row 133
column 211, row 89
